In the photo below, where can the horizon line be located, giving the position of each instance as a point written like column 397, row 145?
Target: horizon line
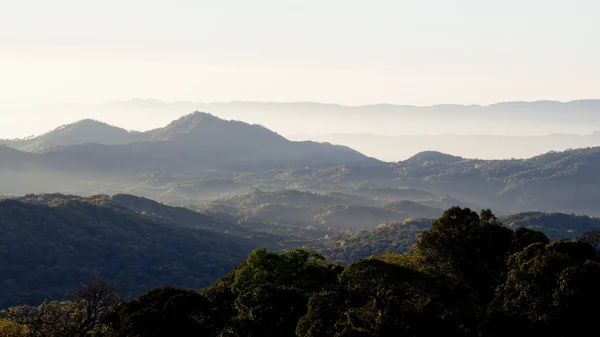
column 331, row 103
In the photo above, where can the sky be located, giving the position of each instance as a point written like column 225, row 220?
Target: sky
column 338, row 51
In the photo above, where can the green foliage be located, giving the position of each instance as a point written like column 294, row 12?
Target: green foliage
column 350, row 247
column 297, row 269
column 467, row 275
column 268, row 293
column 469, row 246
column 555, row 225
column 163, row 312
column 50, row 243
column 86, row 314
column 551, row 288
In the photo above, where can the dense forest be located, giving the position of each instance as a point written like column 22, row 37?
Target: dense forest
column 467, row 275
column 52, row 242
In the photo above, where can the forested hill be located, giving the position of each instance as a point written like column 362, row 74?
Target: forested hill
column 398, row 237
column 50, row 243
column 557, row 181
column 467, row 276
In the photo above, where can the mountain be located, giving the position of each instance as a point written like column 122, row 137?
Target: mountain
column 386, row 119
column 384, row 131
column 200, row 156
column 82, row 132
column 52, row 242
column 193, row 143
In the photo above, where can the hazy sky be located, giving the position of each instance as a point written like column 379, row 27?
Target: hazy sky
column 342, row 51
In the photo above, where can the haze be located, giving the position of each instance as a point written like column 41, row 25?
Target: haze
column 344, row 52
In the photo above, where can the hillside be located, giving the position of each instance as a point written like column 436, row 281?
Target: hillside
column 556, row 181
column 466, row 276
column 137, row 243
column 356, row 217
column 393, row 194
column 322, row 212
column 289, row 197
column 414, row 209
column 555, row 225
column 50, row 243
column 395, row 237
column 399, row 237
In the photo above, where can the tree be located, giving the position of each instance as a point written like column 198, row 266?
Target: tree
column 325, row 311
column 84, row 315
column 551, row 289
column 304, row 270
column 525, row 237
column 271, row 291
column 163, row 312
column 470, row 247
column 9, row 328
column 95, row 299
column 593, row 238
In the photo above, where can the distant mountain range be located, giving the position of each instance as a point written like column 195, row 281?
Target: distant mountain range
column 508, row 118
column 394, row 148
column 384, row 131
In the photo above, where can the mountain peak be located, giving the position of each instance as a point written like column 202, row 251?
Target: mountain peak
column 83, row 131
column 185, row 125
column 84, row 123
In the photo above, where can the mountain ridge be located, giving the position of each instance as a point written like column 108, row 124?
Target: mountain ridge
column 193, row 142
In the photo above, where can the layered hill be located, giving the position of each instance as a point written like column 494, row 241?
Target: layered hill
column 323, row 212
column 200, row 156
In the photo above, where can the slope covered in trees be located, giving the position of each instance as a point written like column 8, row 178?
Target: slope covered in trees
column 51, row 242
column 395, row 237
column 555, row 225
column 331, row 212
column 468, row 275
